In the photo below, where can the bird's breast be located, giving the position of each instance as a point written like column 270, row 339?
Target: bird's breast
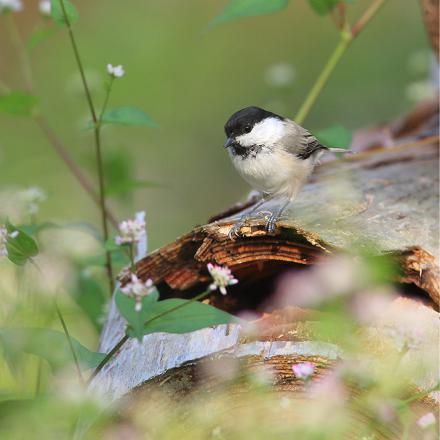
column 272, row 171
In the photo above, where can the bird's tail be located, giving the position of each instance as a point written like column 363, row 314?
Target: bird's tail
column 339, row 150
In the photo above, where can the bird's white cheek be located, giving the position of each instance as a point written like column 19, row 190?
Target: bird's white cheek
column 267, row 132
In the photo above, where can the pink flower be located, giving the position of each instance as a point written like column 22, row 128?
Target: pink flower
column 137, row 289
column 426, row 420
column 222, row 277
column 304, row 370
column 131, row 231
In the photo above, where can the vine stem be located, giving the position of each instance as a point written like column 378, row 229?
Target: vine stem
column 44, row 125
column 65, row 329
column 347, row 35
column 69, row 340
column 124, row 339
column 97, row 130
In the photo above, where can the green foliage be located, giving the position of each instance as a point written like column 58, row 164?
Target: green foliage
column 48, row 344
column 188, row 317
column 246, row 8
column 57, row 11
column 90, row 296
column 127, row 116
column 119, row 171
column 323, row 7
column 17, row 103
column 135, row 319
column 20, row 247
column 335, row 136
column 38, row 36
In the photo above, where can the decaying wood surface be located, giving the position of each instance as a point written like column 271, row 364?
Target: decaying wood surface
column 382, row 198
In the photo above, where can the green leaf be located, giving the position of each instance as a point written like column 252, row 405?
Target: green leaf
column 127, row 116
column 57, row 14
column 193, row 316
column 247, row 8
column 17, row 103
column 20, row 247
column 323, row 7
column 48, row 344
column 135, row 319
column 124, row 187
column 38, row 36
column 336, row 136
column 90, row 296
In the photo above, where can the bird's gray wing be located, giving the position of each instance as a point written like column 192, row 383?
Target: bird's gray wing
column 301, row 142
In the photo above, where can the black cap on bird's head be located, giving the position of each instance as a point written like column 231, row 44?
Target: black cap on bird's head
column 243, row 121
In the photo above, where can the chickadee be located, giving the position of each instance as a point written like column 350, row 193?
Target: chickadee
column 273, row 154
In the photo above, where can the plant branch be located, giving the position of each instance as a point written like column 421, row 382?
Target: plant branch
column 371, row 11
column 347, row 35
column 63, row 153
column 99, row 161
column 124, row 339
column 42, row 122
column 69, row 340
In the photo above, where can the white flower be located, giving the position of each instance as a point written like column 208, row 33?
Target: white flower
column 426, row 420
column 137, row 289
column 4, row 235
column 44, row 7
column 131, row 231
column 115, row 71
column 222, row 277
column 32, row 197
column 10, row 5
column 304, row 370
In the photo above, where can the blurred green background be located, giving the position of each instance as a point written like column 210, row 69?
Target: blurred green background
column 189, row 81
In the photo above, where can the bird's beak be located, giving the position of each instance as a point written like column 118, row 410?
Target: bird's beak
column 229, row 142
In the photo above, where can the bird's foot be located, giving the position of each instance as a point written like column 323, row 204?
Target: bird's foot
column 235, row 230
column 271, row 223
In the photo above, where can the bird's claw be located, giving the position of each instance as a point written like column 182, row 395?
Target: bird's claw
column 235, row 230
column 271, row 224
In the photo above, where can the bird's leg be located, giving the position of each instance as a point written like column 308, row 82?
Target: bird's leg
column 235, row 230
column 274, row 217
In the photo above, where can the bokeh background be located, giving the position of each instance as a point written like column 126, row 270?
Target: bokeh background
column 189, row 80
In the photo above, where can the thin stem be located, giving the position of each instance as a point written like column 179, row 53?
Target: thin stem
column 69, row 340
column 372, row 10
column 99, row 161
column 347, row 36
column 124, row 339
column 63, row 153
column 63, row 323
column 42, row 123
column 323, row 77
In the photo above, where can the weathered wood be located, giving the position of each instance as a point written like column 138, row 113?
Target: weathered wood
column 384, row 199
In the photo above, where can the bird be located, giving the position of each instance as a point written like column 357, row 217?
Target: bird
column 274, row 155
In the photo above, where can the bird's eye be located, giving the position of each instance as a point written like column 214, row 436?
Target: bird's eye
column 247, row 129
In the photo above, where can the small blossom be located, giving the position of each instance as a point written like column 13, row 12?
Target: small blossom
column 44, row 7
column 115, row 71
column 4, row 235
column 426, row 420
column 222, row 277
column 137, row 289
column 304, row 370
column 131, row 231
column 10, row 6
column 31, row 198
